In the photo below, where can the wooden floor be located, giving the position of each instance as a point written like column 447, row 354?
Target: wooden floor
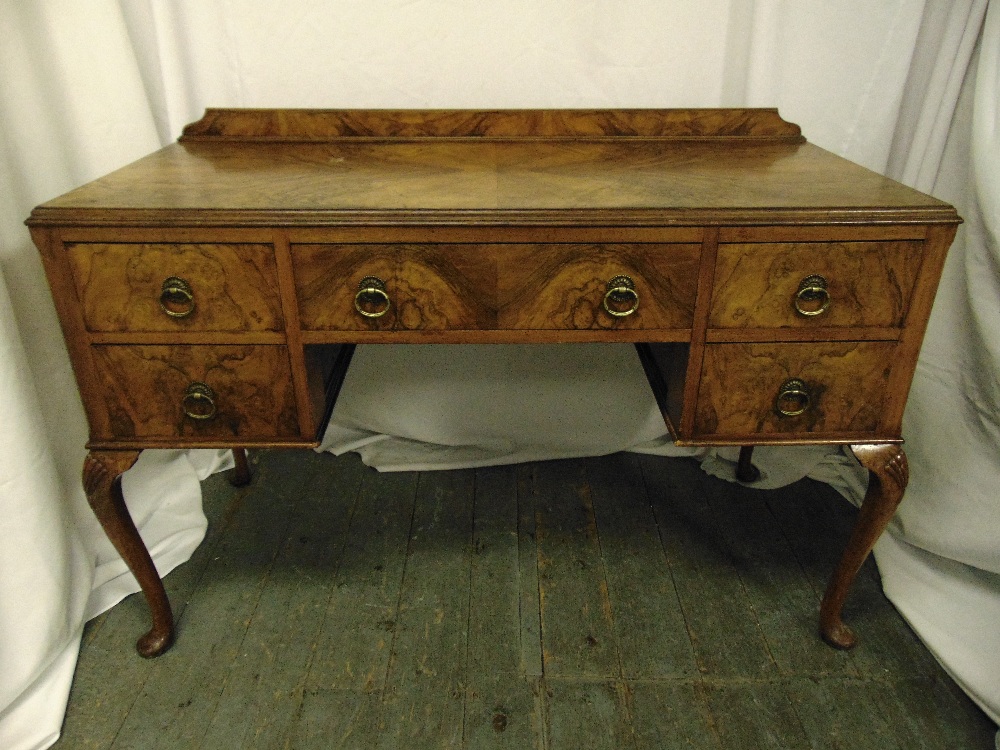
column 619, row 602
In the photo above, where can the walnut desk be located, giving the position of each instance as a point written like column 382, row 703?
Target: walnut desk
column 211, row 294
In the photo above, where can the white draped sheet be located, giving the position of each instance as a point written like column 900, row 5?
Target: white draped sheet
column 88, row 87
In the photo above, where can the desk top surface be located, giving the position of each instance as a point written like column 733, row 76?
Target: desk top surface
column 656, row 167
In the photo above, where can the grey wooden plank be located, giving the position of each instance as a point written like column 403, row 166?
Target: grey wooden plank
column 779, row 590
column 179, row 699
column 527, row 571
column 929, row 712
column 817, row 522
column 264, row 687
column 577, row 633
column 494, row 604
column 502, row 708
column 336, row 720
column 838, row 714
column 755, row 715
column 649, row 624
column 585, row 714
column 721, row 620
column 905, row 713
column 671, row 715
column 424, row 696
column 353, row 646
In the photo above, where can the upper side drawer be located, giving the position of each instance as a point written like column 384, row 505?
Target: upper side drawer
column 795, row 284
column 158, row 287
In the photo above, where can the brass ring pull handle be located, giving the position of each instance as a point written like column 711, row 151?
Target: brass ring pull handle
column 199, row 401
column 793, row 398
column 176, row 297
column 372, row 300
column 621, row 291
column 812, row 298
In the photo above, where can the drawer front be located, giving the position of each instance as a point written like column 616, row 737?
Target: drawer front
column 177, row 287
column 571, row 287
column 426, row 287
column 860, row 284
column 496, row 286
column 150, row 391
column 841, row 388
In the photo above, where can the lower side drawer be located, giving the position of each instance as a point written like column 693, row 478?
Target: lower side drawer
column 793, row 389
column 198, row 392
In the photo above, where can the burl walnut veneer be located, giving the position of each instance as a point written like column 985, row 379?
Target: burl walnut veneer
column 211, row 293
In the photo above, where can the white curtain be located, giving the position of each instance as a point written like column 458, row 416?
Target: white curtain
column 894, row 85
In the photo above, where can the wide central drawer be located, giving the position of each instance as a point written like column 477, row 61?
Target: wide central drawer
column 414, row 287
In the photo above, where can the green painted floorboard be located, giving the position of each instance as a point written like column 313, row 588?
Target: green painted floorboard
column 616, row 602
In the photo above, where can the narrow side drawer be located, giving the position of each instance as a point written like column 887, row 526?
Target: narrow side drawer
column 846, row 383
column 223, row 287
column 836, row 284
column 146, row 391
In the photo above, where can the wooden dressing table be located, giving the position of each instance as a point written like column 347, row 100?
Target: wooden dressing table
column 211, row 294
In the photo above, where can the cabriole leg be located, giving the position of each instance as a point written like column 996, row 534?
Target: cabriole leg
column 889, row 476
column 102, row 472
column 745, row 470
column 240, row 476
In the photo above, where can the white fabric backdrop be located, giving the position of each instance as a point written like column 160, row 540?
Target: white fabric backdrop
column 88, row 87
